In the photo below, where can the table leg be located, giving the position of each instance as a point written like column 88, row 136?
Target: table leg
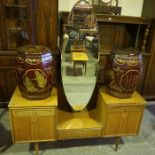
column 118, row 139
column 74, row 67
column 85, row 67
column 36, row 145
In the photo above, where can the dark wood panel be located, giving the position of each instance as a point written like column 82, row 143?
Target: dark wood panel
column 111, row 36
column 16, row 23
column 42, row 19
column 47, row 22
column 7, row 78
column 140, row 85
column 149, row 81
column 2, row 87
column 123, row 19
column 148, row 8
column 7, row 85
column 101, row 69
column 57, row 58
column 1, row 26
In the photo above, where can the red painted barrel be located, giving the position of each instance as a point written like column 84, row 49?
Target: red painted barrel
column 35, row 69
column 123, row 72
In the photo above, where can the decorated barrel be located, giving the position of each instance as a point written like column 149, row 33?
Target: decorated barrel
column 35, row 68
column 123, row 72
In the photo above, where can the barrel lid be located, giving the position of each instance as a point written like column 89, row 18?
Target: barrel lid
column 33, row 49
column 128, row 52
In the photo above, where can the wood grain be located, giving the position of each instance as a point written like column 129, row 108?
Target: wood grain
column 39, row 117
column 119, row 115
column 47, row 11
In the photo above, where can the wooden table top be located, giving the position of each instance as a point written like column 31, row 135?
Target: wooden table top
column 135, row 99
column 79, row 56
column 18, row 101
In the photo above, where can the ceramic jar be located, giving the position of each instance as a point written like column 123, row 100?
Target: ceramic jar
column 123, row 71
column 35, row 68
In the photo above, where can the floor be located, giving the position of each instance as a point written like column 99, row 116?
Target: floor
column 142, row 144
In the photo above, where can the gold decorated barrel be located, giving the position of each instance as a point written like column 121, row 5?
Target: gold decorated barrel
column 123, row 72
column 35, row 67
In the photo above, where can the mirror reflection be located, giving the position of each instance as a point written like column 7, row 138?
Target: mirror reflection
column 79, row 55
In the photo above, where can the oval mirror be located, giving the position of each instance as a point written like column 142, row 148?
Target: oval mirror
column 79, row 55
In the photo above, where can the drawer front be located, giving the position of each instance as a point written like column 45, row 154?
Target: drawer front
column 126, row 108
column 134, row 108
column 77, row 134
column 116, row 109
column 33, row 112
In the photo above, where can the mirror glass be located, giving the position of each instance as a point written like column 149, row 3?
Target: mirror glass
column 79, row 55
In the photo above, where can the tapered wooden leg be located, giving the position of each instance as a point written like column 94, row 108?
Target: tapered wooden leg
column 85, row 67
column 74, row 67
column 36, row 145
column 118, row 139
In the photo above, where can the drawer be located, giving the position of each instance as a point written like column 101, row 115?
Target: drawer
column 30, row 125
column 33, row 112
column 134, row 108
column 79, row 133
column 126, row 108
column 116, row 108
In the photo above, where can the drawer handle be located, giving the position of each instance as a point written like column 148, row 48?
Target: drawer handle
column 116, row 107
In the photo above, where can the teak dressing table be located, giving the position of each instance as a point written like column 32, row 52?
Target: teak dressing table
column 41, row 120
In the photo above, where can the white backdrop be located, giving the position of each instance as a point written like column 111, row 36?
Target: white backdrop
column 129, row 7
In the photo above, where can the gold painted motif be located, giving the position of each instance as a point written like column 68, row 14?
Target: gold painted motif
column 114, row 86
column 49, row 70
column 20, row 60
column 110, row 75
column 118, row 70
column 52, row 78
column 19, row 68
column 124, row 59
column 123, row 95
column 37, row 82
column 130, row 80
column 33, row 60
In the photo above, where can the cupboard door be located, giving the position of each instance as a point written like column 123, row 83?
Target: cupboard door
column 33, row 125
column 22, row 123
column 45, row 127
column 113, row 123
column 133, row 120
